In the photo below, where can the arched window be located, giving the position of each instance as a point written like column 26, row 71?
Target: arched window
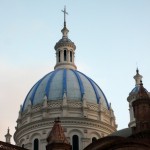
column 70, row 56
column 94, row 139
column 65, row 55
column 36, row 144
column 23, row 145
column 75, row 142
column 59, row 56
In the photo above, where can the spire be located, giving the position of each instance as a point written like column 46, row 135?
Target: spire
column 57, row 139
column 137, row 78
column 8, row 136
column 57, row 134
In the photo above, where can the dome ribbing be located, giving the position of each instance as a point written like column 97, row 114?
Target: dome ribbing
column 74, row 83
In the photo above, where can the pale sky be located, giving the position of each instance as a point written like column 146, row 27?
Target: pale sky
column 112, row 38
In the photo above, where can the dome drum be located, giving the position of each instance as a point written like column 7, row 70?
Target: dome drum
column 97, row 121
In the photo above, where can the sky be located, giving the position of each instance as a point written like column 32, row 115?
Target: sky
column 112, row 39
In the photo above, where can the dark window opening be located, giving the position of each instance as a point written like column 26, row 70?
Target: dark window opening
column 59, row 56
column 23, row 145
column 36, row 144
column 70, row 56
column 94, row 139
column 65, row 55
column 75, row 142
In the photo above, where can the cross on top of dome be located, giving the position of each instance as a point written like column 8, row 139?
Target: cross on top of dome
column 65, row 30
column 65, row 13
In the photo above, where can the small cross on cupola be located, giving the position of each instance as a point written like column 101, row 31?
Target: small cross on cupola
column 65, row 30
column 65, row 13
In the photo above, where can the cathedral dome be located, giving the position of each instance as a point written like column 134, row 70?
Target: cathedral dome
column 73, row 83
column 68, row 94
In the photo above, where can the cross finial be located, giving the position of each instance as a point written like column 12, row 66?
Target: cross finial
column 65, row 13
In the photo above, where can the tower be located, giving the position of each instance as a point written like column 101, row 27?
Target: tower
column 8, row 136
column 141, row 109
column 132, row 96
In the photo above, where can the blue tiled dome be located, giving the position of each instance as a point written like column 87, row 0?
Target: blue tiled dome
column 74, row 83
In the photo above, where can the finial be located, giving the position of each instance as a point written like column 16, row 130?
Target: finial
column 65, row 13
column 137, row 70
column 64, row 94
column 8, row 130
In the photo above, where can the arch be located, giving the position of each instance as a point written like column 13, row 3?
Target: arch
column 65, row 55
column 94, row 136
column 70, row 56
column 59, row 56
column 34, row 136
column 75, row 132
column 22, row 142
column 32, row 139
column 75, row 142
column 94, row 139
column 36, row 144
column 22, row 145
column 78, row 133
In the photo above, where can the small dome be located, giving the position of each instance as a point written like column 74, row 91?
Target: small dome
column 136, row 89
column 65, row 41
column 72, row 82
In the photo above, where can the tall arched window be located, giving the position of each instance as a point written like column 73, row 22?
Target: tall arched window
column 59, row 56
column 65, row 55
column 36, row 144
column 70, row 56
column 75, row 142
column 22, row 145
column 94, row 139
